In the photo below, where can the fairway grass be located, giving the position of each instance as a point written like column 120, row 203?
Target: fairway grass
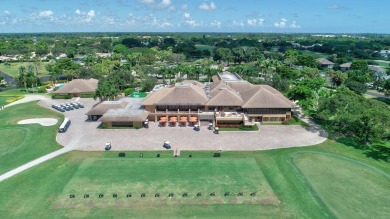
column 122, row 176
column 363, row 190
column 13, row 69
column 20, row 144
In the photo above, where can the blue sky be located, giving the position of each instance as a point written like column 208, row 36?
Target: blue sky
column 314, row 16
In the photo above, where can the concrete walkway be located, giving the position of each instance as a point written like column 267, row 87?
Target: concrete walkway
column 34, row 163
column 28, row 98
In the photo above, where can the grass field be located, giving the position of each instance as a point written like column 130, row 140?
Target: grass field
column 325, row 181
column 314, row 54
column 385, row 66
column 178, row 176
column 204, row 47
column 330, row 180
column 13, row 69
column 22, row 143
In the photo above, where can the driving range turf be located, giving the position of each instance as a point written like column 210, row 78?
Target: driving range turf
column 329, row 180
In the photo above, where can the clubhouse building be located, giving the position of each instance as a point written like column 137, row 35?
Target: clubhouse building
column 227, row 101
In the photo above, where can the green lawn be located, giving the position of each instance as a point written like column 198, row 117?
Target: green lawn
column 13, row 69
column 4, row 100
column 325, row 181
column 20, row 144
column 204, row 47
column 330, row 180
column 241, row 128
column 158, row 175
column 314, row 54
column 385, row 65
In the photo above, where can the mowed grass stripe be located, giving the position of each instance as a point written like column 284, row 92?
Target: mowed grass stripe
column 363, row 191
column 164, row 176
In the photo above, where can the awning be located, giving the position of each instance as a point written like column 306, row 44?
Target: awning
column 193, row 119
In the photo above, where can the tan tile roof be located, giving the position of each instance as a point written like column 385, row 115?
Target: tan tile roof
column 323, row 61
column 225, row 97
column 264, row 96
column 345, row 65
column 153, row 97
column 241, row 86
column 78, row 86
column 184, row 95
column 103, row 107
column 124, row 118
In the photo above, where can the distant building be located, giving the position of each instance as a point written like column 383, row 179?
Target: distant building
column 324, row 63
column 76, row 87
column 384, row 53
column 345, row 66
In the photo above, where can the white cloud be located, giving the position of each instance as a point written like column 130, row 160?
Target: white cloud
column 45, row 13
column 6, row 12
column 187, row 15
column 184, row 6
column 147, row 2
column 189, row 20
column 216, row 23
column 281, row 23
column 294, row 25
column 336, row 7
column 85, row 17
column 164, row 4
column 91, row 13
column 238, row 23
column 207, row 7
column 255, row 22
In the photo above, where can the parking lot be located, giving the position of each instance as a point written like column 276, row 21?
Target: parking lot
column 85, row 135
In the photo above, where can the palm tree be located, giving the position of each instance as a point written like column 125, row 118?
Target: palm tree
column 22, row 77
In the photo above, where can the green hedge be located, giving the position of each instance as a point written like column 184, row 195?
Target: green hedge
column 42, row 89
column 67, row 96
column 86, row 95
column 129, row 91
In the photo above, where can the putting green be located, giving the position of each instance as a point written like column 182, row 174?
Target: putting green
column 350, row 189
column 122, row 176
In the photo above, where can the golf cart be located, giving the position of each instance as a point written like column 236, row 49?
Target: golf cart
column 167, row 145
column 108, row 146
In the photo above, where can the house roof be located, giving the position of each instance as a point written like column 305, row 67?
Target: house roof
column 375, row 68
column 132, row 111
column 78, row 86
column 180, row 94
column 345, row 65
column 113, row 117
column 225, row 97
column 184, row 94
column 222, row 93
column 264, row 98
column 323, row 61
column 103, row 107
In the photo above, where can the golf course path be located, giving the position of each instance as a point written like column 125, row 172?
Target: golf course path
column 35, row 162
column 28, row 98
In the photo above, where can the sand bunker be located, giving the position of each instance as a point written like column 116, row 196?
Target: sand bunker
column 41, row 121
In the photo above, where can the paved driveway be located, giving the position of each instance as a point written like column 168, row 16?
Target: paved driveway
column 85, row 135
